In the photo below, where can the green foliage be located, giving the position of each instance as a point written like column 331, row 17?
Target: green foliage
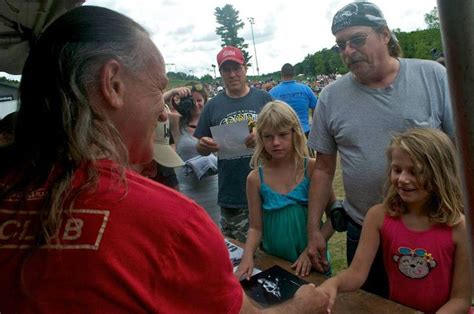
column 325, row 61
column 180, row 76
column 228, row 18
column 180, row 79
column 418, row 44
column 328, row 61
column 432, row 19
column 177, row 79
column 8, row 81
column 207, row 78
column 307, row 66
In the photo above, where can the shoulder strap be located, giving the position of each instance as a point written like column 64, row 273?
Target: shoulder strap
column 260, row 172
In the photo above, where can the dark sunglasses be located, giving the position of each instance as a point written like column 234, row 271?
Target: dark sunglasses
column 356, row 43
column 236, row 68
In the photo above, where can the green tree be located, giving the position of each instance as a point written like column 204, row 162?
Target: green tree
column 432, row 19
column 180, row 76
column 419, row 44
column 230, row 23
column 207, row 78
column 325, row 61
column 12, row 82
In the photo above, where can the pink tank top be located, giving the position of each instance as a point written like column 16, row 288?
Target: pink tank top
column 419, row 264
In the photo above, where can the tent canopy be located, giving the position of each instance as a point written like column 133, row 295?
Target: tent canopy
column 21, row 21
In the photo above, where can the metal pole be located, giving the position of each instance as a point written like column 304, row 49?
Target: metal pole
column 252, row 21
column 457, row 26
column 214, row 68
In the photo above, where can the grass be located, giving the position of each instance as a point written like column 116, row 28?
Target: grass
column 337, row 243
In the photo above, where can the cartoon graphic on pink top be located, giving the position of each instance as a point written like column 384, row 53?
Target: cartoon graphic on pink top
column 415, row 263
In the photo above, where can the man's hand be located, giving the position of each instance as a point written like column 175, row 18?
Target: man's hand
column 329, row 288
column 206, row 145
column 250, row 140
column 308, row 299
column 317, row 252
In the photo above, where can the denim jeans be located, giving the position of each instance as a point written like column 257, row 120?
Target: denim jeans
column 377, row 281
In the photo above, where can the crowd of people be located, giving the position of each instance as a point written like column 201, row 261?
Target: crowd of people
column 115, row 192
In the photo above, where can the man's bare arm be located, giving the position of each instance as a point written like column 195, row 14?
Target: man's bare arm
column 320, row 192
column 307, row 299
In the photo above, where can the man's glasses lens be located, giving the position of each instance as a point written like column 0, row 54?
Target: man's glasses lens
column 358, row 42
column 355, row 42
column 235, row 68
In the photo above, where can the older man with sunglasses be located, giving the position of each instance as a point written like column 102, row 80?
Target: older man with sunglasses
column 356, row 115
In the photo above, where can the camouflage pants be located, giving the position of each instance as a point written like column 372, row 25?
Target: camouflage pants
column 235, row 223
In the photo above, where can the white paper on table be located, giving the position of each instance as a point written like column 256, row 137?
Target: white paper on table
column 254, row 271
column 235, row 254
column 231, row 139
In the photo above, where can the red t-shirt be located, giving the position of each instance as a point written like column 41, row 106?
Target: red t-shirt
column 143, row 249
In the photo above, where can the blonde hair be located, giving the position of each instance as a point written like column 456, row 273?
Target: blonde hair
column 278, row 116
column 436, row 170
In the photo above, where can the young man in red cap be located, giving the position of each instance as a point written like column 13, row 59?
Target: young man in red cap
column 239, row 102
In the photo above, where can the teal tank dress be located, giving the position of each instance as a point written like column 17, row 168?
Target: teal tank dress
column 285, row 218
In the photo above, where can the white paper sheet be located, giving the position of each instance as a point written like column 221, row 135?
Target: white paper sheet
column 235, row 254
column 231, row 140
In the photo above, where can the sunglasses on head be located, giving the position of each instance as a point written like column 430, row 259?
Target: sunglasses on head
column 197, row 87
column 355, row 42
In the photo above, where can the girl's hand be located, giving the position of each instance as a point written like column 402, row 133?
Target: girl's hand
column 302, row 264
column 245, row 269
column 329, row 288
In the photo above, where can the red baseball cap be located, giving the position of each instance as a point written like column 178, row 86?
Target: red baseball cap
column 230, row 53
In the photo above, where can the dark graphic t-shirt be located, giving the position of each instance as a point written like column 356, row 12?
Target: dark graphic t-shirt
column 232, row 172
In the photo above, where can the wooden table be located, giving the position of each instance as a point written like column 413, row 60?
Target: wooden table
column 359, row 301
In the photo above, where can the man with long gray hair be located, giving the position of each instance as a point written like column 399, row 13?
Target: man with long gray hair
column 80, row 231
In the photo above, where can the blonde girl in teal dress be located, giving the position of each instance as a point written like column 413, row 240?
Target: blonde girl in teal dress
column 277, row 191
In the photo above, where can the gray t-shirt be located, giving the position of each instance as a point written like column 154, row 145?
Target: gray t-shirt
column 204, row 191
column 223, row 109
column 358, row 122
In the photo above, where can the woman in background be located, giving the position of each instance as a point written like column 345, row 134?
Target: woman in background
column 197, row 179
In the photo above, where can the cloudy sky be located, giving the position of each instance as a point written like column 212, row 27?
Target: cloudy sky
column 285, row 31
